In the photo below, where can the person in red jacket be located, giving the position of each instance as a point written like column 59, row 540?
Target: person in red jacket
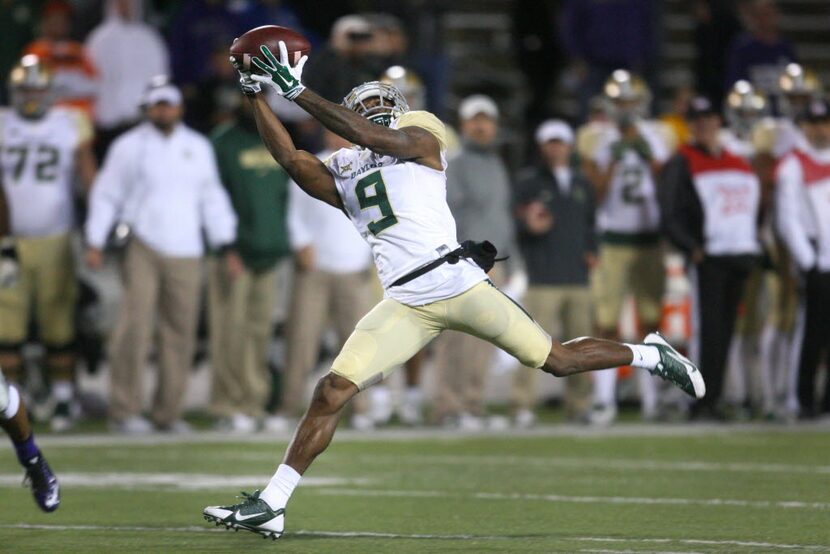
column 710, row 201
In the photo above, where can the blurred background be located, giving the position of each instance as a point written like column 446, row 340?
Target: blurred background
column 549, row 103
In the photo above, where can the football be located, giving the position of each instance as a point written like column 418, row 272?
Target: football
column 247, row 46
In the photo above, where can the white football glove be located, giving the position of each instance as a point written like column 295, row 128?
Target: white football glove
column 249, row 86
column 9, row 266
column 279, row 73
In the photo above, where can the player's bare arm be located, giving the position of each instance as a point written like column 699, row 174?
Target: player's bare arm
column 601, row 179
column 305, row 168
column 85, row 165
column 409, row 143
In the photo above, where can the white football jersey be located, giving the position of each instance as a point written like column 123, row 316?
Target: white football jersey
column 630, row 207
column 400, row 208
column 777, row 137
column 741, row 147
column 37, row 158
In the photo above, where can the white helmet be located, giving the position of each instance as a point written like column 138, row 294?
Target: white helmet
column 408, row 82
column 391, row 104
column 799, row 85
column 627, row 96
column 744, row 106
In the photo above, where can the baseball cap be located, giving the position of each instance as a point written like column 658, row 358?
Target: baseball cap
column 554, row 129
column 700, row 106
column 816, row 110
column 478, row 104
column 159, row 90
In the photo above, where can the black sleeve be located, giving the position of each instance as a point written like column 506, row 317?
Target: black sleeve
column 681, row 212
column 5, row 216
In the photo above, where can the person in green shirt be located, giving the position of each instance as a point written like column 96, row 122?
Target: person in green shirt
column 242, row 288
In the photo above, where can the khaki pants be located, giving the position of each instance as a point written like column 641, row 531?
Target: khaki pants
column 46, row 282
column 240, row 329
column 170, row 288
column 320, row 297
column 462, row 364
column 629, row 269
column 566, row 313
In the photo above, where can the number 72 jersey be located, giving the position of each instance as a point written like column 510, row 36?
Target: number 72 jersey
column 37, row 159
column 400, row 208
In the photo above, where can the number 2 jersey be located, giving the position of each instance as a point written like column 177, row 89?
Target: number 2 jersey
column 37, row 158
column 630, row 206
column 400, row 208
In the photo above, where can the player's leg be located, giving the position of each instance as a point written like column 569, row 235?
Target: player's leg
column 56, row 292
column 610, row 287
column 487, row 313
column 15, row 306
column 386, row 337
column 647, row 281
column 15, row 422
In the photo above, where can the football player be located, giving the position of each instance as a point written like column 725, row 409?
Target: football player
column 622, row 158
column 746, row 110
column 774, row 138
column 13, row 417
column 392, row 186
column 43, row 148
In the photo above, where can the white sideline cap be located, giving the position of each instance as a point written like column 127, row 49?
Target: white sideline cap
column 159, row 90
column 554, row 129
column 478, row 104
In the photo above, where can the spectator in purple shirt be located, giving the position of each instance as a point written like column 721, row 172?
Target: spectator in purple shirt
column 760, row 54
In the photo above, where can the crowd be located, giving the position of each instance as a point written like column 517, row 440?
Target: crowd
column 709, row 222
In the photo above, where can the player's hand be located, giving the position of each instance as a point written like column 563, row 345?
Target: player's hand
column 279, row 73
column 304, row 257
column 9, row 266
column 641, row 147
column 249, row 86
column 538, row 218
column 234, row 265
column 94, row 258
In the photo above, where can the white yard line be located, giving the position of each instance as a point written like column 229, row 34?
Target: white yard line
column 594, row 463
column 584, row 499
column 385, row 435
column 379, row 535
column 173, row 481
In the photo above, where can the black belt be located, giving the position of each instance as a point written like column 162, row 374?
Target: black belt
column 482, row 253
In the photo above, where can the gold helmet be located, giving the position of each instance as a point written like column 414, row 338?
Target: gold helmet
column 799, row 85
column 30, row 87
column 627, row 96
column 744, row 106
column 408, row 82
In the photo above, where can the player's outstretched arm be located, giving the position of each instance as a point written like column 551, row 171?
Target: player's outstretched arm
column 305, row 168
column 409, row 143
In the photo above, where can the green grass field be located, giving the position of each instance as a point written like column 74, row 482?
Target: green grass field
column 634, row 488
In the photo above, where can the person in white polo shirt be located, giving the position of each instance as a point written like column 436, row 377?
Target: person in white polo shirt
column 161, row 180
column 332, row 283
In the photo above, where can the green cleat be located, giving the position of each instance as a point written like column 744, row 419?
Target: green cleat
column 252, row 514
column 676, row 368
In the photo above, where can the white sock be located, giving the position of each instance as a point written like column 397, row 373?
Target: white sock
column 645, row 356
column 279, row 489
column 605, row 387
column 62, row 390
column 413, row 396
